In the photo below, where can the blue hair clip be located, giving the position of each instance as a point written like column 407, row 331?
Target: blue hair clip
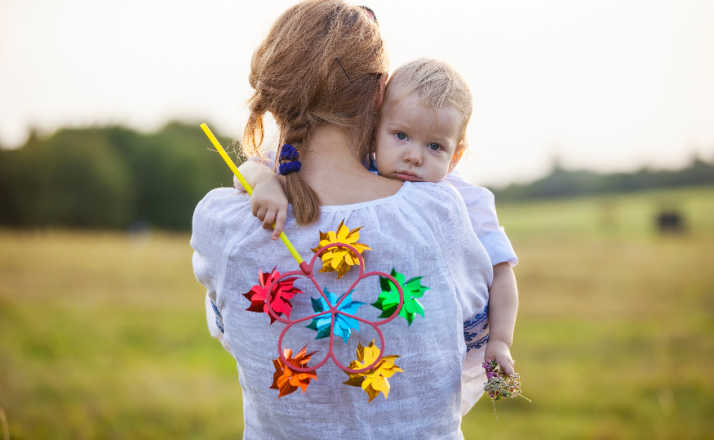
column 288, row 152
column 290, row 155
column 289, row 167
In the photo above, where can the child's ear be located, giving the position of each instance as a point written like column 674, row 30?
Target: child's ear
column 458, row 154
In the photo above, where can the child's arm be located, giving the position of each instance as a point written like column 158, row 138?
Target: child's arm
column 502, row 311
column 503, row 301
column 268, row 203
column 254, row 172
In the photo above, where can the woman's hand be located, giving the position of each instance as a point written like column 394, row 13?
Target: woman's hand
column 270, row 205
column 500, row 352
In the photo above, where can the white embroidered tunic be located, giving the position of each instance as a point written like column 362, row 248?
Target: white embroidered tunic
column 423, row 230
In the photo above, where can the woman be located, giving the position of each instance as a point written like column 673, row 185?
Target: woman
column 320, row 73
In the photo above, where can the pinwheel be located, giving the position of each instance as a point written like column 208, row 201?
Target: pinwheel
column 334, row 315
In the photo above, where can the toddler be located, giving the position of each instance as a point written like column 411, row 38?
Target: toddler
column 421, row 137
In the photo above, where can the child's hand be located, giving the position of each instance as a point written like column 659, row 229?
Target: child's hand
column 253, row 172
column 270, row 205
column 500, row 352
column 237, row 185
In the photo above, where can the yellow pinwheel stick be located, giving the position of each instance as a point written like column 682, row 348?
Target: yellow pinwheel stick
column 249, row 190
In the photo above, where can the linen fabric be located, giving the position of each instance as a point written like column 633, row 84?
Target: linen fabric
column 422, row 230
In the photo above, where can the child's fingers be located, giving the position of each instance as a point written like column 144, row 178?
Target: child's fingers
column 506, row 364
column 269, row 219
column 260, row 213
column 503, row 360
column 279, row 223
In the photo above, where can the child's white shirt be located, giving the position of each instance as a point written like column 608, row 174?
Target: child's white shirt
column 481, row 206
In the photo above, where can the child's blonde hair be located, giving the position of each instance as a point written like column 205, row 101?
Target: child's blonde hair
column 438, row 85
column 320, row 64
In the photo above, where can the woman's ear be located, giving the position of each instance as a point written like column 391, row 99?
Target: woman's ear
column 382, row 87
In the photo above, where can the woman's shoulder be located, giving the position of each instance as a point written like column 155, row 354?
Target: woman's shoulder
column 426, row 199
column 220, row 212
column 220, row 201
column 470, row 192
column 441, row 205
column 438, row 194
column 219, row 194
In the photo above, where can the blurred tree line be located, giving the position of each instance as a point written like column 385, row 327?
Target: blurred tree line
column 561, row 182
column 110, row 177
column 115, row 177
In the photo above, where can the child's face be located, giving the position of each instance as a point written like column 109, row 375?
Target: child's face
column 417, row 142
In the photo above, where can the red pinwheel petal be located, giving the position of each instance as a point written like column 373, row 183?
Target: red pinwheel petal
column 281, row 292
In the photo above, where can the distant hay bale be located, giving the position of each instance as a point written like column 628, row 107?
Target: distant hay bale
column 670, row 221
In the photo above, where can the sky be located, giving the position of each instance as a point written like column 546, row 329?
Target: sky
column 600, row 84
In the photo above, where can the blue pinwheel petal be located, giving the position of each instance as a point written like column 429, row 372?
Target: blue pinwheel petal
column 352, row 308
column 343, row 324
column 323, row 332
column 331, row 297
column 317, row 304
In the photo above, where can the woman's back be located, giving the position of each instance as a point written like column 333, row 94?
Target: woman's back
column 421, row 231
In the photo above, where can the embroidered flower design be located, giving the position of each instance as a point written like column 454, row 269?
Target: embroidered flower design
column 340, row 259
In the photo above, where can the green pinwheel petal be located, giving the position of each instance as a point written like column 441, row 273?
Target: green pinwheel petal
column 388, row 298
column 384, row 283
column 409, row 316
column 415, row 288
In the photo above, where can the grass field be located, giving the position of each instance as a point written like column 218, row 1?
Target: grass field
column 103, row 335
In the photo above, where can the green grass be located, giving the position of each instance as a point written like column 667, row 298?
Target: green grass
column 629, row 216
column 103, row 335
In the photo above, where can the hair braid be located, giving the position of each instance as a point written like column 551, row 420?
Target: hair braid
column 320, row 64
column 305, row 201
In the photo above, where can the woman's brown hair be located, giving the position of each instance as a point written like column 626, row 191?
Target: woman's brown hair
column 321, row 63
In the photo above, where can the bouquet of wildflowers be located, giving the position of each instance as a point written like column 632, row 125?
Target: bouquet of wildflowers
column 500, row 385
